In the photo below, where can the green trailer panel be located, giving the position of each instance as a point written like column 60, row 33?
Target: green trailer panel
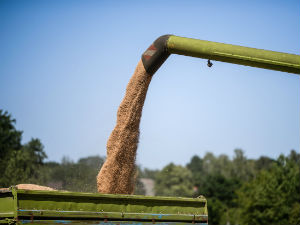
column 86, row 222
column 50, row 207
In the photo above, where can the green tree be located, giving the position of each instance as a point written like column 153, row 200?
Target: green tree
column 23, row 166
column 264, row 163
column 216, row 210
column 273, row 196
column 196, row 164
column 174, row 180
column 196, row 167
column 294, row 157
column 242, row 168
column 18, row 163
column 10, row 139
column 220, row 194
column 71, row 176
column 148, row 173
column 217, row 186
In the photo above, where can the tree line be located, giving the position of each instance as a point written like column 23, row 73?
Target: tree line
column 238, row 190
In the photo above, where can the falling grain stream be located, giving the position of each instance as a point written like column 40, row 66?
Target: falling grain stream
column 117, row 173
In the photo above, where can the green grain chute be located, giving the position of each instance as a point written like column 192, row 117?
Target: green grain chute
column 165, row 45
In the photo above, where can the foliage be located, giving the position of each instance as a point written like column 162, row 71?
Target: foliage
column 216, row 179
column 10, row 138
column 24, row 165
column 273, row 196
column 221, row 188
column 18, row 163
column 80, row 176
column 247, row 191
column 174, row 180
column 216, row 209
column 148, row 173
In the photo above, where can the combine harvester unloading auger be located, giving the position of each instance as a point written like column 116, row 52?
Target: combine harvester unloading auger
column 117, row 174
column 165, row 45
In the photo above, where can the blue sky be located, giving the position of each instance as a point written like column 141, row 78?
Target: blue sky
column 64, row 66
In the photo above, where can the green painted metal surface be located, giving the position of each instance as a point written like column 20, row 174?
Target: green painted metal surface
column 84, row 222
column 19, row 206
column 234, row 54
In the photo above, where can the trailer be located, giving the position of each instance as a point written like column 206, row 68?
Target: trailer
column 61, row 207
